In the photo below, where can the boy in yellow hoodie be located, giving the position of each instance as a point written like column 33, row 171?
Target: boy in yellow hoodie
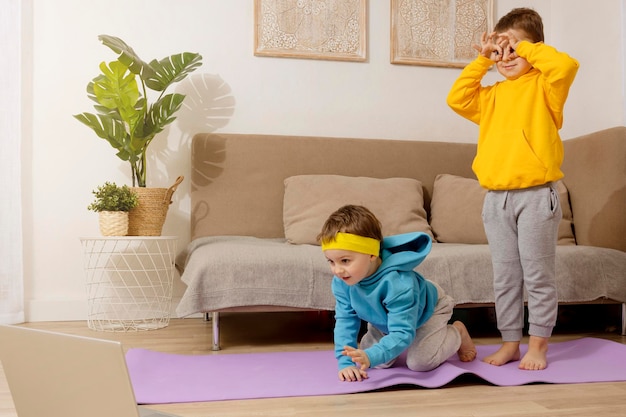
column 519, row 156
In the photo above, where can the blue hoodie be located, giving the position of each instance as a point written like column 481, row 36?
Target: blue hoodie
column 395, row 299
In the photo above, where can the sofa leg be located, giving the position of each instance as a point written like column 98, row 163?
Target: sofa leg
column 215, row 317
column 623, row 319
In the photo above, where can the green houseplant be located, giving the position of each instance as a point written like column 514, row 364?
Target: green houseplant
column 113, row 203
column 124, row 117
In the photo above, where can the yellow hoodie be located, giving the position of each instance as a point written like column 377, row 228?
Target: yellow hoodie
column 518, row 143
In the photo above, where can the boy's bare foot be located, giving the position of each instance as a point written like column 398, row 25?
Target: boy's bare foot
column 536, row 357
column 508, row 352
column 467, row 351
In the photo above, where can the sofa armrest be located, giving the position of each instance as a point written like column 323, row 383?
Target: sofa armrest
column 595, row 175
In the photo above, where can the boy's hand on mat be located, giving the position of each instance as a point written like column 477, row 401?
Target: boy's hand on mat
column 351, row 374
column 359, row 357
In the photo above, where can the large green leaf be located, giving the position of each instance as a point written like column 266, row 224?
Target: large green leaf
column 105, row 127
column 127, row 55
column 116, row 88
column 171, row 69
column 161, row 113
column 100, row 108
column 110, row 129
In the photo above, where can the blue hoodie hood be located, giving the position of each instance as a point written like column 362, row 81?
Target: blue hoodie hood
column 401, row 253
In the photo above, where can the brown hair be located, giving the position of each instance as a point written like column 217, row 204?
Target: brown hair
column 357, row 220
column 524, row 19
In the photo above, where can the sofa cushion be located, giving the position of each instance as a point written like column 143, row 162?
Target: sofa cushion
column 309, row 199
column 566, row 226
column 456, row 207
column 455, row 210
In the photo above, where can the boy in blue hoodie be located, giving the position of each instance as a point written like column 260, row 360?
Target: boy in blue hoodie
column 374, row 280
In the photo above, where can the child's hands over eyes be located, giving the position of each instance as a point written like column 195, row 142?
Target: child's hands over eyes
column 507, row 41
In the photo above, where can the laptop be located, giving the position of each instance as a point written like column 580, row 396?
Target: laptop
column 58, row 375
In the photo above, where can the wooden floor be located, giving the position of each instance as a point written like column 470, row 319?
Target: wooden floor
column 466, row 396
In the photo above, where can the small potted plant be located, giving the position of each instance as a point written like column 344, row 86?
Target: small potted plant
column 113, row 203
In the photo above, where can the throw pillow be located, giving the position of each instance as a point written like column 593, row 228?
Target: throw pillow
column 455, row 210
column 309, row 199
column 566, row 226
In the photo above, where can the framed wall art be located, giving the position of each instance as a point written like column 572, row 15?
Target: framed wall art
column 438, row 32
column 313, row 29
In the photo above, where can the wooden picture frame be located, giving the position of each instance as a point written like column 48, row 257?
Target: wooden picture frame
column 311, row 29
column 438, row 33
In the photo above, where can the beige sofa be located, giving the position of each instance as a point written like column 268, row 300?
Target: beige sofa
column 258, row 201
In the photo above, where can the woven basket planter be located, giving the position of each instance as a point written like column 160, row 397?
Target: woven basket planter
column 113, row 223
column 148, row 217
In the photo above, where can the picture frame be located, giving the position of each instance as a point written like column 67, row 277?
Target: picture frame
column 311, row 29
column 438, row 33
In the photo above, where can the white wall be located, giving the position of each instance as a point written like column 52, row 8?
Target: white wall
column 241, row 93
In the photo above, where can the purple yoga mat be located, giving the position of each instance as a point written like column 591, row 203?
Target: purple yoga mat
column 170, row 378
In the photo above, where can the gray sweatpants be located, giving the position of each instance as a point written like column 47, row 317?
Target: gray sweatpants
column 522, row 227
column 435, row 341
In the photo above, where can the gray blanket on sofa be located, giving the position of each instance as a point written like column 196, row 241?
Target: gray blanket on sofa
column 233, row 271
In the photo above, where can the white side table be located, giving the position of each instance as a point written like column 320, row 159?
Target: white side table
column 129, row 281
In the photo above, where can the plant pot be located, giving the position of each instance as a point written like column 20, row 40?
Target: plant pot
column 113, row 223
column 148, row 217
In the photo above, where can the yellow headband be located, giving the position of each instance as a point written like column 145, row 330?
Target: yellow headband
column 354, row 243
